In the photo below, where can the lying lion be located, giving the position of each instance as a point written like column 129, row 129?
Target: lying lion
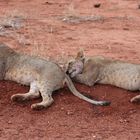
column 41, row 75
column 99, row 69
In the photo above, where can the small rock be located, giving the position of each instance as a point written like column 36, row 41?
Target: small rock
column 48, row 3
column 97, row 5
column 70, row 112
column 62, row 108
column 121, row 121
column 124, row 121
column 125, row 28
column 9, row 122
column 132, row 111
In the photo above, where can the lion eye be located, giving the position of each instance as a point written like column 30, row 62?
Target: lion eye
column 70, row 63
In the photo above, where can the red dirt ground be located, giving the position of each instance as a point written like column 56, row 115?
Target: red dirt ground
column 47, row 34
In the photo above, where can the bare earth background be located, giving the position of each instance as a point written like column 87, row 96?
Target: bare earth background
column 58, row 29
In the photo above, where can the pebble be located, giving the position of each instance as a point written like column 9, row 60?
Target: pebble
column 97, row 5
column 9, row 122
column 70, row 113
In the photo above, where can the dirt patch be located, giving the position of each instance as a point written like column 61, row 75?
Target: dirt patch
column 57, row 30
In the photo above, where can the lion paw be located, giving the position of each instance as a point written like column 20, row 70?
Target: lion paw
column 37, row 107
column 18, row 98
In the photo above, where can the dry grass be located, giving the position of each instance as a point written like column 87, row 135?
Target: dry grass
column 10, row 23
column 81, row 19
column 13, row 19
column 71, row 15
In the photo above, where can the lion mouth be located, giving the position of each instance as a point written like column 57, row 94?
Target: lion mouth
column 71, row 73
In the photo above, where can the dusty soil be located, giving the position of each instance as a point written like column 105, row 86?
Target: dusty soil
column 58, row 29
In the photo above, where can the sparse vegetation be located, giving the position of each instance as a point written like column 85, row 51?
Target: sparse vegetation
column 80, row 19
column 72, row 16
column 13, row 19
column 10, row 23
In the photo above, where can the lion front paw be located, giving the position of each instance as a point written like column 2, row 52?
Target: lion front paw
column 18, row 98
column 37, row 107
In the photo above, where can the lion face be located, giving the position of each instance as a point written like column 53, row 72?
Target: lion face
column 75, row 67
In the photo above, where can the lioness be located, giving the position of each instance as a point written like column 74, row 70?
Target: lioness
column 99, row 69
column 43, row 76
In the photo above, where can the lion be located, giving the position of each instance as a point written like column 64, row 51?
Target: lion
column 103, row 70
column 41, row 75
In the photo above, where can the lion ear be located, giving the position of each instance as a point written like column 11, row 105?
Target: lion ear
column 80, row 55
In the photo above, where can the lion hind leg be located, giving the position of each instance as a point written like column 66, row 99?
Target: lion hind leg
column 32, row 94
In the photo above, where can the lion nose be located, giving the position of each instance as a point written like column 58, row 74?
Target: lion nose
column 67, row 72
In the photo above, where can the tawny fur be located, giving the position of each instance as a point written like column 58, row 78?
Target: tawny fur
column 102, row 70
column 41, row 75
